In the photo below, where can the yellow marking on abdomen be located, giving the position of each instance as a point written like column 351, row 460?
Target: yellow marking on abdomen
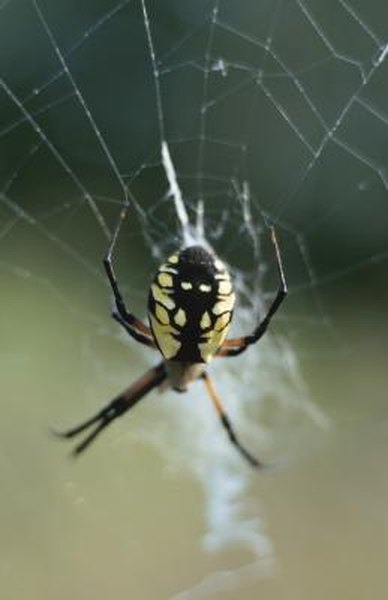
column 205, row 321
column 224, row 305
column 165, row 280
column 162, row 297
column 162, row 315
column 166, row 269
column 204, row 287
column 168, row 345
column 224, row 287
column 214, row 341
column 186, row 285
column 180, row 317
column 222, row 321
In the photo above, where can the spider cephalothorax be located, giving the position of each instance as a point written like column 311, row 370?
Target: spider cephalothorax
column 190, row 306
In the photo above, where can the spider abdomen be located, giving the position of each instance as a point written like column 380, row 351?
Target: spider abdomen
column 190, row 305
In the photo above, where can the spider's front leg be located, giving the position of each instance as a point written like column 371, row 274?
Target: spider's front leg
column 134, row 326
column 236, row 346
column 253, row 461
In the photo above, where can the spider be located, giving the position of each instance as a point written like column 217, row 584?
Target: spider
column 190, row 307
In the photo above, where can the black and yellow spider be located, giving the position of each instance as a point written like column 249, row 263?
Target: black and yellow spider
column 190, row 308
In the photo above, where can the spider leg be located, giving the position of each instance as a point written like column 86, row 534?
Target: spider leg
column 117, row 407
column 139, row 337
column 134, row 326
column 235, row 346
column 254, row 462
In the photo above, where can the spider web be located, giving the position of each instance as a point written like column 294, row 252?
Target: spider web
column 209, row 122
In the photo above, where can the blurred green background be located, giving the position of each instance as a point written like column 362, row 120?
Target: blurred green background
column 289, row 97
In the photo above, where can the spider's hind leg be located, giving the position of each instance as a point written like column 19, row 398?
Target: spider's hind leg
column 117, row 407
column 253, row 461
